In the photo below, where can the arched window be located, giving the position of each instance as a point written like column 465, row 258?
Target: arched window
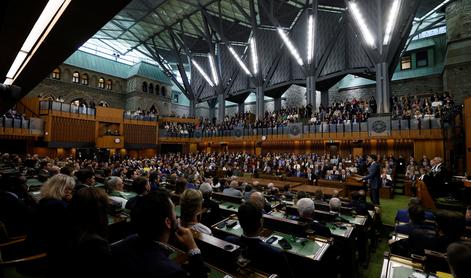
column 103, row 103
column 109, row 84
column 157, row 89
column 84, row 79
column 56, row 73
column 164, row 91
column 144, row 86
column 101, row 83
column 76, row 77
column 151, row 88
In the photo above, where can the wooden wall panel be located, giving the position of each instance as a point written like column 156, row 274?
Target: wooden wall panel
column 72, row 130
column 140, row 134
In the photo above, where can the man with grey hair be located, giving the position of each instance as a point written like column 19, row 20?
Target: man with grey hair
column 258, row 199
column 306, row 211
column 335, row 204
column 212, row 212
column 437, row 180
column 232, row 190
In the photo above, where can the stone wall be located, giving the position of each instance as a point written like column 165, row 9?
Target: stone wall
column 71, row 91
column 420, row 86
column 456, row 76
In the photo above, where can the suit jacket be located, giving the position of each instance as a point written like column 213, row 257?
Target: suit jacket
column 15, row 214
column 137, row 257
column 374, row 175
column 319, row 228
column 263, row 256
column 212, row 214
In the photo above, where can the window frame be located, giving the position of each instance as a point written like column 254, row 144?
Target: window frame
column 101, row 83
column 56, row 74
column 403, row 62
column 76, row 77
column 425, row 52
column 85, row 79
column 109, row 84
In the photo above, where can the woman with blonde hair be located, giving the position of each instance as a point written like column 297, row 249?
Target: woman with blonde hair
column 191, row 202
column 49, row 226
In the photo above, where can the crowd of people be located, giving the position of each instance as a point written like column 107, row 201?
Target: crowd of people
column 424, row 107
column 68, row 220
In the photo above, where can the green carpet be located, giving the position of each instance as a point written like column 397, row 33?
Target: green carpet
column 389, row 208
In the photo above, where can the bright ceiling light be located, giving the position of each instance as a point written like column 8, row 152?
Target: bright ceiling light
column 253, row 51
column 48, row 18
column 290, row 46
column 391, row 21
column 213, row 69
column 360, row 20
column 310, row 39
column 241, row 63
column 201, row 71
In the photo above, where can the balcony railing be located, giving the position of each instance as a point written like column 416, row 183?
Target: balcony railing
column 148, row 118
column 65, row 107
column 395, row 125
column 31, row 126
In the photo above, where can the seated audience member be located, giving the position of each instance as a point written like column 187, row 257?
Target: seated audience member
column 87, row 252
column 258, row 199
column 232, row 190
column 115, row 188
column 417, row 218
column 319, row 196
column 301, row 194
column 15, row 213
column 141, row 186
column 402, row 215
column 180, row 185
column 335, row 194
column 450, row 226
column 260, row 254
column 212, row 213
column 49, row 229
column 335, row 204
column 191, row 203
column 145, row 254
column 153, row 181
column 85, row 178
column 306, row 211
column 288, row 195
column 359, row 204
column 247, row 192
column 459, row 259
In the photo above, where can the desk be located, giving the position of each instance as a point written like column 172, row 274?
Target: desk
column 307, row 248
column 311, row 189
column 265, row 182
column 399, row 267
column 334, row 229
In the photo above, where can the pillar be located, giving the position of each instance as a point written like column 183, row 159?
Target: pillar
column 192, row 108
column 221, row 107
column 277, row 103
column 212, row 112
column 383, row 88
column 324, row 99
column 241, row 107
column 259, row 102
column 311, row 92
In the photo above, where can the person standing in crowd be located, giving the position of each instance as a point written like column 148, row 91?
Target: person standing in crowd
column 373, row 178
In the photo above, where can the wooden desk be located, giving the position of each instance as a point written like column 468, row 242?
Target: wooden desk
column 311, row 189
column 467, row 183
column 399, row 267
column 264, row 182
column 302, row 247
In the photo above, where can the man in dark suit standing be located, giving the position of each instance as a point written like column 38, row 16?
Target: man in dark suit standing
column 373, row 178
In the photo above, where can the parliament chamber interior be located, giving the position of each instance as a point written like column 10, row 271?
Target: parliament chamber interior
column 235, row 138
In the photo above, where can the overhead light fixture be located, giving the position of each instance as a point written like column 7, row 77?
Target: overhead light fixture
column 310, row 39
column 253, row 51
column 203, row 73
column 391, row 21
column 48, row 18
column 360, row 20
column 290, row 46
column 241, row 63
column 213, row 69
